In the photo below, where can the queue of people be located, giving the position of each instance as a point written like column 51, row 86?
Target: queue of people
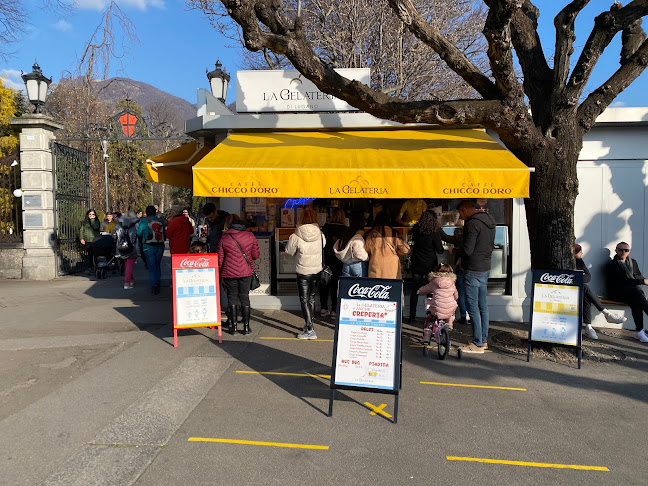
column 135, row 234
column 351, row 251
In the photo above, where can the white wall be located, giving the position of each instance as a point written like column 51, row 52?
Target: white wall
column 612, row 206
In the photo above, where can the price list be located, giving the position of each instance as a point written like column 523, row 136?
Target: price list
column 366, row 343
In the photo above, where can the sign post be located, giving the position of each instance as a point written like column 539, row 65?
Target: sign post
column 196, row 293
column 557, row 309
column 367, row 346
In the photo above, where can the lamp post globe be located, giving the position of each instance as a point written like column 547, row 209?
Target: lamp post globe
column 36, row 85
column 218, row 81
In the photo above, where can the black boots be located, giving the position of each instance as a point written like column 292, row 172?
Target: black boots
column 233, row 311
column 231, row 318
column 245, row 312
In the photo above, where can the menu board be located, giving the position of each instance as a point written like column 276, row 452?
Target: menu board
column 557, row 311
column 195, row 290
column 367, row 333
column 366, row 351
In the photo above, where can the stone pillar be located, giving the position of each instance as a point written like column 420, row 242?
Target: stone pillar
column 37, row 182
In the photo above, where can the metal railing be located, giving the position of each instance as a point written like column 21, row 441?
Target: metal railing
column 10, row 206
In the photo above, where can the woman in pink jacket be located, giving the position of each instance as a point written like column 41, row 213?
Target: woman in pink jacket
column 237, row 250
column 443, row 300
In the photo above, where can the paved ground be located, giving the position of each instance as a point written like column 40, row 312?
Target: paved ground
column 93, row 392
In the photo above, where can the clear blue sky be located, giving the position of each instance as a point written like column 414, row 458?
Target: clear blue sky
column 177, row 45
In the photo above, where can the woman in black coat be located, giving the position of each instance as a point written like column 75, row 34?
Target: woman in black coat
column 333, row 231
column 426, row 245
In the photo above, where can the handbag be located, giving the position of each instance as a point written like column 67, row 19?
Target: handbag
column 326, row 275
column 255, row 283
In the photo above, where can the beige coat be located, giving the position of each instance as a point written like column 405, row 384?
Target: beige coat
column 384, row 261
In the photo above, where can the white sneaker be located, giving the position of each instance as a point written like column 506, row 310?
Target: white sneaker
column 641, row 336
column 324, row 312
column 591, row 333
column 613, row 318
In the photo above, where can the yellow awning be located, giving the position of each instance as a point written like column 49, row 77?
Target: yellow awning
column 174, row 167
column 359, row 164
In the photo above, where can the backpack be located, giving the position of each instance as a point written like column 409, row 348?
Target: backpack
column 155, row 232
column 124, row 244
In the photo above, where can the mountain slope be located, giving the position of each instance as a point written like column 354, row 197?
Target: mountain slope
column 155, row 103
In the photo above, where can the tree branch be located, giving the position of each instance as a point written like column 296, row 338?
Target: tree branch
column 498, row 34
column 489, row 113
column 536, row 71
column 631, row 39
column 601, row 98
column 453, row 57
column 606, row 26
column 565, row 37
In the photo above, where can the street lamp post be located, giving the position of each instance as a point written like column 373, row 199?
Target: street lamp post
column 41, row 259
column 218, row 81
column 36, row 85
column 104, row 146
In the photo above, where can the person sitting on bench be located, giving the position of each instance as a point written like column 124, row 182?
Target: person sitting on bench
column 590, row 298
column 624, row 281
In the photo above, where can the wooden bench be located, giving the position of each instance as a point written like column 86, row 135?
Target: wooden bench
column 605, row 301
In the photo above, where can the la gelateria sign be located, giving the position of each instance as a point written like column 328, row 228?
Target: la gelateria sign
column 289, row 91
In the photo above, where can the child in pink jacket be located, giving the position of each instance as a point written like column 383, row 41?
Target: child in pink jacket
column 442, row 301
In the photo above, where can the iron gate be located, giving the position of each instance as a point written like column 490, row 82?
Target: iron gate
column 72, row 200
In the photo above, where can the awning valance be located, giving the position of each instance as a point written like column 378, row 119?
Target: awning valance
column 361, row 164
column 174, row 167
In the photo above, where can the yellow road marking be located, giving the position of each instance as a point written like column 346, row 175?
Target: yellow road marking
column 295, row 339
column 472, row 386
column 529, row 464
column 255, row 442
column 378, row 409
column 328, row 377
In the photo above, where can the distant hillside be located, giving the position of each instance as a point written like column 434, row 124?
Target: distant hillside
column 155, row 103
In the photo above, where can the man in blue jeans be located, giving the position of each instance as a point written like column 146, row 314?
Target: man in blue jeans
column 151, row 231
column 477, row 247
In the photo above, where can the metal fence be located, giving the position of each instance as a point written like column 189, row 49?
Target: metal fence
column 10, row 206
column 72, row 199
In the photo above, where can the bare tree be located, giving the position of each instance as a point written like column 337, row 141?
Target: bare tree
column 14, row 21
column 540, row 116
column 110, row 41
column 363, row 33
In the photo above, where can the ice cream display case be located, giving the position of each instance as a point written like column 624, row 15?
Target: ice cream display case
column 285, row 264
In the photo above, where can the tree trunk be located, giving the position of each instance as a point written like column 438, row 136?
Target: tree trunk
column 550, row 207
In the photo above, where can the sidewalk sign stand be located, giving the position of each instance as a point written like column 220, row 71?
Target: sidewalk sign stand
column 367, row 353
column 196, row 292
column 556, row 309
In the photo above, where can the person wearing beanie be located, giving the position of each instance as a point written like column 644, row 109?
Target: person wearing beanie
column 590, row 298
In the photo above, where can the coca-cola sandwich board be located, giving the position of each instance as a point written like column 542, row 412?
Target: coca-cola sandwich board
column 196, row 292
column 367, row 344
column 556, row 308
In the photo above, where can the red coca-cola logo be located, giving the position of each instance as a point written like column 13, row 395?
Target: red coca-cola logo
column 195, row 263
